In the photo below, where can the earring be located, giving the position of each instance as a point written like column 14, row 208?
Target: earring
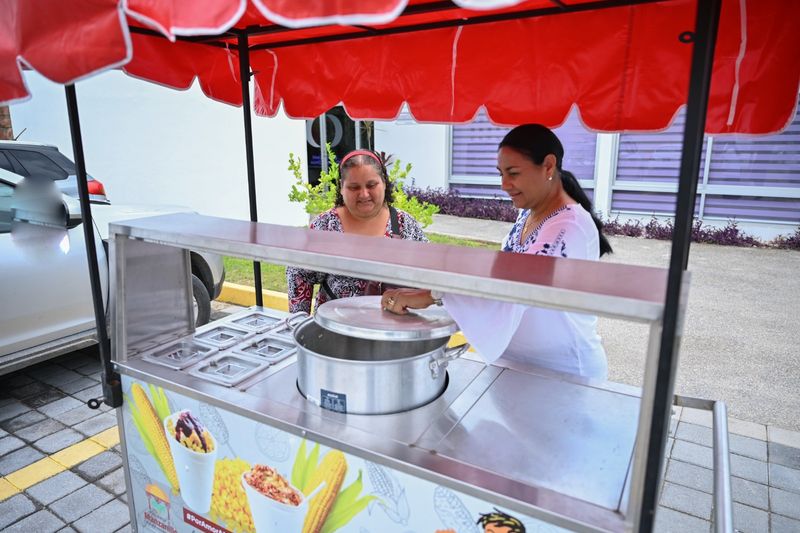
column 550, row 178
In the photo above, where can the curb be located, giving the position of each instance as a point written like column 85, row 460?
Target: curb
column 244, row 295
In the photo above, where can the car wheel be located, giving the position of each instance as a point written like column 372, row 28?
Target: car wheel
column 201, row 301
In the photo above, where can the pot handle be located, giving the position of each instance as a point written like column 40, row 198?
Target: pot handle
column 440, row 363
column 294, row 320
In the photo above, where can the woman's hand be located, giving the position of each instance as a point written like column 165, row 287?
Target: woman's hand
column 399, row 301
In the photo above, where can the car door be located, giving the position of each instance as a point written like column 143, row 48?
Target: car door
column 45, row 294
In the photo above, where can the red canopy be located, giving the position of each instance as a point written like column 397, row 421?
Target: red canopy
column 625, row 68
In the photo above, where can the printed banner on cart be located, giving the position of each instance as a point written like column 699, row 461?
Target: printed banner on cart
column 195, row 467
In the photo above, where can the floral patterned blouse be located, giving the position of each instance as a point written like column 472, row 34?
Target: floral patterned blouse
column 300, row 282
column 548, row 238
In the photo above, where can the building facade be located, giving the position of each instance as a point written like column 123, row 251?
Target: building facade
column 754, row 181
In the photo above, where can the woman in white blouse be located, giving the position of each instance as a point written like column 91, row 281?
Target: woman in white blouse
column 555, row 219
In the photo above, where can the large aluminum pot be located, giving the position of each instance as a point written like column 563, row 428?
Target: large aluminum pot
column 363, row 376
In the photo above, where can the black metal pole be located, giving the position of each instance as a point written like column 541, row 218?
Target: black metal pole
column 111, row 384
column 244, row 76
column 704, row 39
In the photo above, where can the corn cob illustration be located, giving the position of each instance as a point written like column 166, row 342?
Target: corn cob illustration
column 152, row 432
column 452, row 511
column 332, row 470
column 392, row 494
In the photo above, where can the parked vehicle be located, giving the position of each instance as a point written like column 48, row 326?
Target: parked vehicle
column 44, row 281
column 44, row 160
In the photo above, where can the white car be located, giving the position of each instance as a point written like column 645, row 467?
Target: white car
column 45, row 294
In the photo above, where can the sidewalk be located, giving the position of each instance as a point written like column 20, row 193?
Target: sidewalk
column 60, row 461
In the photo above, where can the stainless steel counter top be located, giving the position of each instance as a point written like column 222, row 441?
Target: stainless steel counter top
column 608, row 289
column 564, row 452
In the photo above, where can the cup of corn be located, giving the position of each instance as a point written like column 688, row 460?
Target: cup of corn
column 275, row 504
column 194, row 451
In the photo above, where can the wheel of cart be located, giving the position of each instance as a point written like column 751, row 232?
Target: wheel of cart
column 586, row 456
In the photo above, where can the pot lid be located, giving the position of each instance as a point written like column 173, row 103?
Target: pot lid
column 363, row 317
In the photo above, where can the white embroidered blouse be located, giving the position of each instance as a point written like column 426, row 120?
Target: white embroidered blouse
column 557, row 340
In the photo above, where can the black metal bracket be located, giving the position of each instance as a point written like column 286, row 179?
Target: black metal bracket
column 112, row 394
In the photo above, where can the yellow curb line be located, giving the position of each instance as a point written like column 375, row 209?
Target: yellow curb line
column 58, row 462
column 6, row 489
column 108, row 438
column 245, row 295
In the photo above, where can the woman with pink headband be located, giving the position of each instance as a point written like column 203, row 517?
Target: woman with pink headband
column 363, row 206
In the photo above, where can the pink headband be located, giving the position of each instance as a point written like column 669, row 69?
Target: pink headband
column 361, row 152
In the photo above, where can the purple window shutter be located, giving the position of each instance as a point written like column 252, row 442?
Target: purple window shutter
column 474, row 153
column 646, row 203
column 764, row 161
column 769, row 161
column 475, row 147
column 653, row 158
column 756, row 208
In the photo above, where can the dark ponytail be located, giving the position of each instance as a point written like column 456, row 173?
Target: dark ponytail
column 535, row 142
column 575, row 191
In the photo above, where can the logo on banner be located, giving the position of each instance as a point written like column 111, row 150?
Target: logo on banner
column 157, row 513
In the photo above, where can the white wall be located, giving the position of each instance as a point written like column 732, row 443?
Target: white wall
column 425, row 146
column 152, row 145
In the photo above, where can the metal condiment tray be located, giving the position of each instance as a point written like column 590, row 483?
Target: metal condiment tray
column 222, row 336
column 181, row 354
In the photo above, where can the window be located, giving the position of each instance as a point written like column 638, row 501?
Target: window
column 36, row 164
column 344, row 135
column 474, row 155
column 749, row 178
column 5, row 163
column 6, row 198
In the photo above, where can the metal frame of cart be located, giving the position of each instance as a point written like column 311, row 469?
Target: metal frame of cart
column 665, row 317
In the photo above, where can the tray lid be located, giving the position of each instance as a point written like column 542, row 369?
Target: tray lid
column 363, row 317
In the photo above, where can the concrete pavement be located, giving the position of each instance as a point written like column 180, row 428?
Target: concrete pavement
column 60, row 462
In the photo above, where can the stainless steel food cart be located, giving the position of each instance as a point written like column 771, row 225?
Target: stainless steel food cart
column 594, row 462
column 549, row 448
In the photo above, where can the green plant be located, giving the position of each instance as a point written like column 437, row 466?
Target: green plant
column 321, row 197
column 420, row 210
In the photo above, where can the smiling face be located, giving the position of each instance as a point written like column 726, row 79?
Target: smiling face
column 363, row 191
column 522, row 179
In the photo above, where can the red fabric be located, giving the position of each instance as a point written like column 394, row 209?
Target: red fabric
column 179, row 17
column 63, row 40
column 177, row 64
column 624, row 67
column 300, row 14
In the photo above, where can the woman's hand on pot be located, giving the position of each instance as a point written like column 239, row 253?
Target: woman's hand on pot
column 399, row 301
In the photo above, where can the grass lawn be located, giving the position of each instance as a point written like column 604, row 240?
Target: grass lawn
column 273, row 277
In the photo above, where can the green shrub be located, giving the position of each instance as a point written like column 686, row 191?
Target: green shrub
column 321, row 197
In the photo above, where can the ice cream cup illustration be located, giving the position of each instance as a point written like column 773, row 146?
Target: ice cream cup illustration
column 194, row 450
column 275, row 504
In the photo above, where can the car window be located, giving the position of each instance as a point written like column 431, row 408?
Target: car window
column 39, row 165
column 6, row 197
column 5, row 163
